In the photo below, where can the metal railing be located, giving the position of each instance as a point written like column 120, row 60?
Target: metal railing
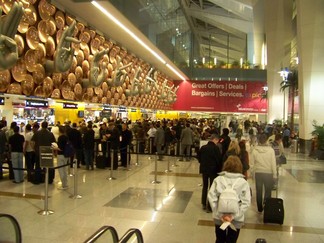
column 109, row 234
column 130, row 234
column 9, row 229
column 104, row 234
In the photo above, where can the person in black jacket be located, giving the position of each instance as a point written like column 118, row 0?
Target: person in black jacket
column 225, row 141
column 75, row 137
column 126, row 140
column 89, row 143
column 210, row 159
column 113, row 136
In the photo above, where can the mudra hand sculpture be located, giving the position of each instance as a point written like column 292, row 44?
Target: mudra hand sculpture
column 163, row 93
column 135, row 85
column 119, row 76
column 149, row 82
column 63, row 56
column 98, row 72
column 171, row 95
column 8, row 29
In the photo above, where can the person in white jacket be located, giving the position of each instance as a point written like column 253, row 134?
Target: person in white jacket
column 231, row 175
column 263, row 165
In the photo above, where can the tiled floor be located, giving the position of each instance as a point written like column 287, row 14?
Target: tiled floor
column 165, row 212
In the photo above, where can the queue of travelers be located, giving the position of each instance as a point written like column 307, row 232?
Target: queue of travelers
column 224, row 160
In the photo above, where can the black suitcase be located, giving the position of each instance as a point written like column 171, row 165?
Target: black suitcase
column 101, row 162
column 274, row 211
column 37, row 176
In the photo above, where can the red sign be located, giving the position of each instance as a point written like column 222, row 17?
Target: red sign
column 221, row 96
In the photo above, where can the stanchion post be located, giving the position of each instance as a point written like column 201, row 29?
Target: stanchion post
column 111, row 165
column 69, row 168
column 75, row 192
column 155, row 171
column 168, row 166
column 128, row 158
column 137, row 152
column 46, row 211
column 151, row 145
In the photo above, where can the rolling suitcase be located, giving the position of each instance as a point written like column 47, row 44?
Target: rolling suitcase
column 101, row 162
column 274, row 210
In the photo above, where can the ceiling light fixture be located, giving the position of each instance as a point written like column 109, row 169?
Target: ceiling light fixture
column 135, row 37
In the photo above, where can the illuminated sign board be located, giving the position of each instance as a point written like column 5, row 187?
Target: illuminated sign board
column 36, row 103
column 106, row 108
column 70, row 106
column 122, row 109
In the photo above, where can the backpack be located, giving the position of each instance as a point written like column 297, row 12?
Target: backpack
column 68, row 150
column 228, row 201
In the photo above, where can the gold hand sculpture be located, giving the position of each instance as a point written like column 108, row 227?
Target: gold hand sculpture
column 98, row 72
column 63, row 56
column 163, row 93
column 171, row 95
column 119, row 76
column 149, row 82
column 8, row 29
column 135, row 84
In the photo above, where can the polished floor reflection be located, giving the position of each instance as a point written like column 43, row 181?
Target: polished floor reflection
column 147, row 199
column 165, row 212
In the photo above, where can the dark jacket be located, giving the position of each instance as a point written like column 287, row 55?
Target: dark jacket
column 114, row 138
column 225, row 141
column 88, row 139
column 210, row 159
column 75, row 138
column 127, row 138
column 61, row 142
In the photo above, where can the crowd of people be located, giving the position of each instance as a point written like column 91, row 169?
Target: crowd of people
column 223, row 155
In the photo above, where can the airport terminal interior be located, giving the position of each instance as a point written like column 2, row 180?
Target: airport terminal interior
column 161, row 59
column 165, row 212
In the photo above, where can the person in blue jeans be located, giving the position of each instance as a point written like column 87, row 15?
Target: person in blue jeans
column 16, row 148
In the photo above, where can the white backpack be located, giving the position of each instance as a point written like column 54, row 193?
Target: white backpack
column 228, row 201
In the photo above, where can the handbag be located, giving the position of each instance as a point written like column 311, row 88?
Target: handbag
column 282, row 159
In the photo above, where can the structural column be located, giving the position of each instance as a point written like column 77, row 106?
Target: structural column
column 278, row 28
column 310, row 41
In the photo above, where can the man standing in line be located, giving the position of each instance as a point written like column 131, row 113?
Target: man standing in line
column 43, row 137
column 186, row 141
column 125, row 143
column 225, row 140
column 29, row 150
column 211, row 162
column 75, row 138
column 151, row 135
column 16, row 147
column 159, row 141
column 113, row 136
column 89, row 143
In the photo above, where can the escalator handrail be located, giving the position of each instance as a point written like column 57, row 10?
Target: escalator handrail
column 101, row 231
column 16, row 226
column 130, row 233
